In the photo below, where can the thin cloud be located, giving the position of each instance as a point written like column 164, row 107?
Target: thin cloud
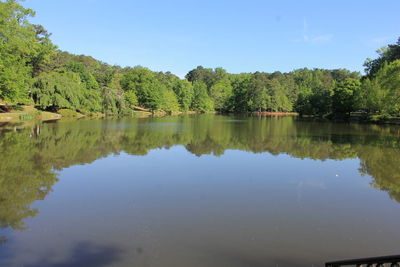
column 379, row 40
column 322, row 38
column 307, row 38
column 305, row 30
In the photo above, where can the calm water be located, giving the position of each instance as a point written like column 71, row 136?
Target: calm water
column 203, row 190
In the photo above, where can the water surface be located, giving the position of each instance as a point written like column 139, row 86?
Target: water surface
column 201, row 190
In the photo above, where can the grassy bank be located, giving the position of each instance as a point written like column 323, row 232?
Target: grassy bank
column 27, row 113
column 30, row 113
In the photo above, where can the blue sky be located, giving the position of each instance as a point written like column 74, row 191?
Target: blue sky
column 240, row 36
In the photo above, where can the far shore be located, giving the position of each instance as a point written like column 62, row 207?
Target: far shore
column 272, row 113
column 30, row 113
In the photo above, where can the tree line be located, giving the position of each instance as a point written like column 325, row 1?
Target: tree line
column 33, row 71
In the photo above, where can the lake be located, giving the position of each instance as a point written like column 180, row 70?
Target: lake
column 197, row 190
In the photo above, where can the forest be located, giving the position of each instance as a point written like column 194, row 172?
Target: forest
column 34, row 72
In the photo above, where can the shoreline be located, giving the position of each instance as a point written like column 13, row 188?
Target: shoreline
column 30, row 113
column 272, row 113
column 354, row 118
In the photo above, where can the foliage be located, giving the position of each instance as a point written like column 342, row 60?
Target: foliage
column 54, row 90
column 114, row 101
column 170, row 102
column 23, row 48
column 201, row 101
column 346, row 96
column 184, row 92
column 221, row 93
column 143, row 83
column 32, row 71
column 386, row 55
column 382, row 92
column 205, row 75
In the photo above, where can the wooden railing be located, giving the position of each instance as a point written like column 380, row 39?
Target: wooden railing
column 386, row 261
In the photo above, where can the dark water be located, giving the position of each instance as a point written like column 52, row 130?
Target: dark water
column 198, row 191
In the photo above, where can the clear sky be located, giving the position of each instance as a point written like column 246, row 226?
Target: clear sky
column 240, row 36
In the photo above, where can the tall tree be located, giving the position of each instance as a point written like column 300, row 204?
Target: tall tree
column 346, row 96
column 201, row 100
column 221, row 93
column 23, row 47
column 184, row 92
column 386, row 54
column 146, row 87
column 384, row 89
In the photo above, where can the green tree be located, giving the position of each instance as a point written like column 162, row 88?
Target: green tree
column 113, row 100
column 346, row 96
column 384, row 89
column 207, row 76
column 386, row 54
column 144, row 84
column 240, row 84
column 184, row 93
column 23, row 47
column 279, row 100
column 257, row 95
column 201, row 74
column 372, row 96
column 221, row 93
column 55, row 90
column 131, row 98
column 315, row 89
column 171, row 103
column 86, row 77
column 201, row 100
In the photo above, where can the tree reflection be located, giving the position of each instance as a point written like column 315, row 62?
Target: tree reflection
column 31, row 155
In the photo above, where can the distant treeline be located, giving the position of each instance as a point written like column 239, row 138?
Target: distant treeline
column 33, row 71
